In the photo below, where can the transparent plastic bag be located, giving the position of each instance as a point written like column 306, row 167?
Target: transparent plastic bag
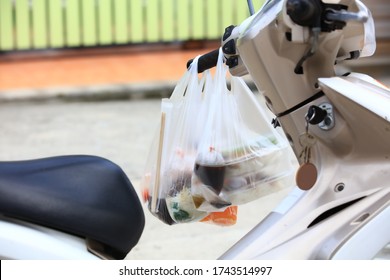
column 240, row 157
column 215, row 149
column 166, row 182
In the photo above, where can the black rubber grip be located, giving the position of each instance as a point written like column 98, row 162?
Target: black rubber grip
column 206, row 61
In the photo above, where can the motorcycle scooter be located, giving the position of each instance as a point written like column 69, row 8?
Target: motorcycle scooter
column 336, row 125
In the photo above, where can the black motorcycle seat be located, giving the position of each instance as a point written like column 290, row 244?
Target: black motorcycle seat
column 87, row 196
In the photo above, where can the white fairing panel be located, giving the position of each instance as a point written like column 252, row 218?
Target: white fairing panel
column 23, row 241
column 363, row 90
column 378, row 227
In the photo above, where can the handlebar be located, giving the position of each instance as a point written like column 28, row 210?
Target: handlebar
column 206, row 61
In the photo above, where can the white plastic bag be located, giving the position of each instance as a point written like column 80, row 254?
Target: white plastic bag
column 167, row 180
column 240, row 156
column 215, row 149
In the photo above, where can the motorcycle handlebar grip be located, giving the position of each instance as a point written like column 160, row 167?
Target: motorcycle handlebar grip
column 206, row 61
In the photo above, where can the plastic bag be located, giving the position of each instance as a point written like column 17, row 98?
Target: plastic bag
column 214, row 150
column 167, row 180
column 240, row 157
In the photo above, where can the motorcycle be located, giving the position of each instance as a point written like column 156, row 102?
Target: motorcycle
column 337, row 125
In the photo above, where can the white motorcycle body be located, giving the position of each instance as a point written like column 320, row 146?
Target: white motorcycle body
column 346, row 213
column 25, row 241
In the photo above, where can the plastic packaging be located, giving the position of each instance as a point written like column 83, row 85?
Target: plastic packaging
column 240, row 156
column 167, row 179
column 214, row 150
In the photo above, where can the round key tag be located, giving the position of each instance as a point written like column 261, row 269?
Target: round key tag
column 306, row 176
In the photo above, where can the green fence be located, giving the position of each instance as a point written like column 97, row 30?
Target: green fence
column 42, row 24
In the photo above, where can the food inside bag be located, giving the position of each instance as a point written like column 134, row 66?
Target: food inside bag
column 177, row 178
column 225, row 218
column 215, row 149
column 237, row 180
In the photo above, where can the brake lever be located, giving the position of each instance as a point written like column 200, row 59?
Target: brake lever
column 345, row 16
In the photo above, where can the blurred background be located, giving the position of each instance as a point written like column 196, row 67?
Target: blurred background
column 107, row 41
column 62, row 43
column 87, row 77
